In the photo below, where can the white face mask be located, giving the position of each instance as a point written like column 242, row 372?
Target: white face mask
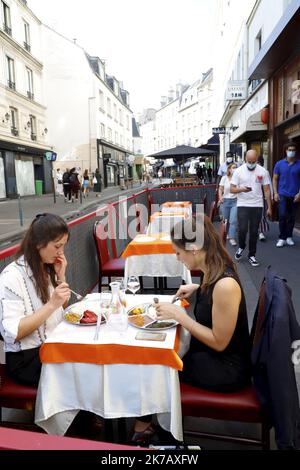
column 291, row 153
column 233, row 170
column 251, row 166
column 229, row 160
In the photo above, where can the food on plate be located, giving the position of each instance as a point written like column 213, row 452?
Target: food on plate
column 138, row 320
column 73, row 317
column 161, row 324
column 152, row 312
column 89, row 317
column 137, row 311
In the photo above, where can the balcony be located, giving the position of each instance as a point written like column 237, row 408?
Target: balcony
column 33, row 136
column 27, row 46
column 7, row 29
column 11, row 85
column 30, row 95
column 14, row 131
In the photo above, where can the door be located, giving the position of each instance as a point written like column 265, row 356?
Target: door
column 2, row 179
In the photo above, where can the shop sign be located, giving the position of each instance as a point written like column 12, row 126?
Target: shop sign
column 219, row 130
column 237, row 90
column 51, row 156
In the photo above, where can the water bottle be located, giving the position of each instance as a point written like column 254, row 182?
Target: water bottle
column 117, row 320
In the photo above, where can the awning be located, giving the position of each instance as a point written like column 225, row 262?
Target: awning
column 283, row 43
column 255, row 129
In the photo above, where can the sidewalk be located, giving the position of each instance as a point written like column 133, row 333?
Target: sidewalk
column 284, row 261
column 11, row 230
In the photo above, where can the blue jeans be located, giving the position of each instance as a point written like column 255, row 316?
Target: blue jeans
column 287, row 215
column 229, row 212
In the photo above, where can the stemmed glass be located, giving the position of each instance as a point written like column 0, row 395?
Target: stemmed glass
column 133, row 284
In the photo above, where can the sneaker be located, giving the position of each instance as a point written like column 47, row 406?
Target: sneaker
column 280, row 243
column 253, row 261
column 261, row 237
column 238, row 254
column 290, row 241
column 232, row 242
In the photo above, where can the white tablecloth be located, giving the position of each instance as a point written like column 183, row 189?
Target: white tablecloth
column 161, row 265
column 110, row 391
column 164, row 223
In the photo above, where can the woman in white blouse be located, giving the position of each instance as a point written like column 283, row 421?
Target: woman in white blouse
column 33, row 290
column 228, row 201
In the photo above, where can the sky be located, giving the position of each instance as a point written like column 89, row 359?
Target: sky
column 149, row 45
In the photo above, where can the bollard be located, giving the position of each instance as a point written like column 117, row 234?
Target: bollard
column 20, row 211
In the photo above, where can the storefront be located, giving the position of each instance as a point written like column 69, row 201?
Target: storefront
column 20, row 168
column 279, row 62
column 112, row 164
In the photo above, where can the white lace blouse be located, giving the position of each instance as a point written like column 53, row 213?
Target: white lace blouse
column 18, row 299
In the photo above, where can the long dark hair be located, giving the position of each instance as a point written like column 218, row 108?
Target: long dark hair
column 45, row 228
column 217, row 259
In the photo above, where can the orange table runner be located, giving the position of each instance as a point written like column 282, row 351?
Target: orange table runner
column 152, row 247
column 111, row 354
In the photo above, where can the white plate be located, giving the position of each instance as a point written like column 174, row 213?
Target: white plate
column 79, row 308
column 142, row 239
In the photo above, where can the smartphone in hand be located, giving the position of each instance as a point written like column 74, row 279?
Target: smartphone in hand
column 249, row 188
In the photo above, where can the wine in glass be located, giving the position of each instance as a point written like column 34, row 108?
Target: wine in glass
column 133, row 284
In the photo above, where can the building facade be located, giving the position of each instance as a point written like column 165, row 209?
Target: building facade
column 90, row 121
column 23, row 124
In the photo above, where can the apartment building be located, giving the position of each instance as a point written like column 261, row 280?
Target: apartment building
column 23, row 124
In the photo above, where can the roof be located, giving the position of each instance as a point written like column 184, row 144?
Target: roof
column 135, row 129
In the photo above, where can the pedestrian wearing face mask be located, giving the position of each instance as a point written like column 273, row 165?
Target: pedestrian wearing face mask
column 222, row 171
column 286, row 184
column 228, row 203
column 250, row 182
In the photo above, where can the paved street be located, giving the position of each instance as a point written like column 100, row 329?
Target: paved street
column 11, row 230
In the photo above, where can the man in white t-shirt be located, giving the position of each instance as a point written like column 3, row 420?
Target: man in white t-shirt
column 251, row 183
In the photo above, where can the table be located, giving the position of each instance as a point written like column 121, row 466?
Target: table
column 163, row 222
column 154, row 257
column 110, row 390
column 178, row 206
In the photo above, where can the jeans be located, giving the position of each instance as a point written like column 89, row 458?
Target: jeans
column 229, row 212
column 249, row 217
column 287, row 215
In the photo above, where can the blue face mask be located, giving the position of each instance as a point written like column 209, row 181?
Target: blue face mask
column 291, row 153
column 251, row 166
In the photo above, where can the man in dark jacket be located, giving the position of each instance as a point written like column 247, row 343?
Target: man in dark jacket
column 273, row 370
column 66, row 185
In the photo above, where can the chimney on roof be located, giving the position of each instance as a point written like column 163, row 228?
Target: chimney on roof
column 171, row 95
column 163, row 101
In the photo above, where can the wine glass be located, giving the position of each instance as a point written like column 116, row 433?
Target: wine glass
column 133, row 284
column 105, row 301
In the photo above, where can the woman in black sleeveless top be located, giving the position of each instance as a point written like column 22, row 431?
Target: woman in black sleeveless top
column 219, row 354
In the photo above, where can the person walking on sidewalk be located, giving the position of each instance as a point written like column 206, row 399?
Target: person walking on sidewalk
column 248, row 182
column 286, row 184
column 66, row 185
column 228, row 201
column 97, row 182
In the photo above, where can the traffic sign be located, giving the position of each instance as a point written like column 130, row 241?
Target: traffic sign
column 51, row 156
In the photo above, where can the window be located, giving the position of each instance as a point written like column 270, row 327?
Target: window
column 115, row 113
column 14, row 122
column 109, row 107
column 121, row 117
column 109, row 134
column 101, row 100
column 29, row 77
column 258, row 43
column 127, row 122
column 121, row 140
column 27, row 37
column 6, row 18
column 33, row 126
column 11, row 73
column 102, row 130
column 116, row 138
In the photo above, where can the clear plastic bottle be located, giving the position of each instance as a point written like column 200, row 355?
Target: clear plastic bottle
column 117, row 320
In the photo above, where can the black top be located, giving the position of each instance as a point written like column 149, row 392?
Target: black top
column 219, row 370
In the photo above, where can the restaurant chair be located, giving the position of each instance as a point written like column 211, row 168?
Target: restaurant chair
column 242, row 406
column 108, row 267
column 15, row 395
column 212, row 211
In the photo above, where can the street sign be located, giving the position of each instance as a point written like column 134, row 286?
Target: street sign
column 237, row 90
column 51, row 156
column 219, row 130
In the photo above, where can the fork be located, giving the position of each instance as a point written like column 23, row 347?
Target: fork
column 78, row 296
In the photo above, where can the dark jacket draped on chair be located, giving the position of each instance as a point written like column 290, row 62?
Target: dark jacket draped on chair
column 274, row 373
